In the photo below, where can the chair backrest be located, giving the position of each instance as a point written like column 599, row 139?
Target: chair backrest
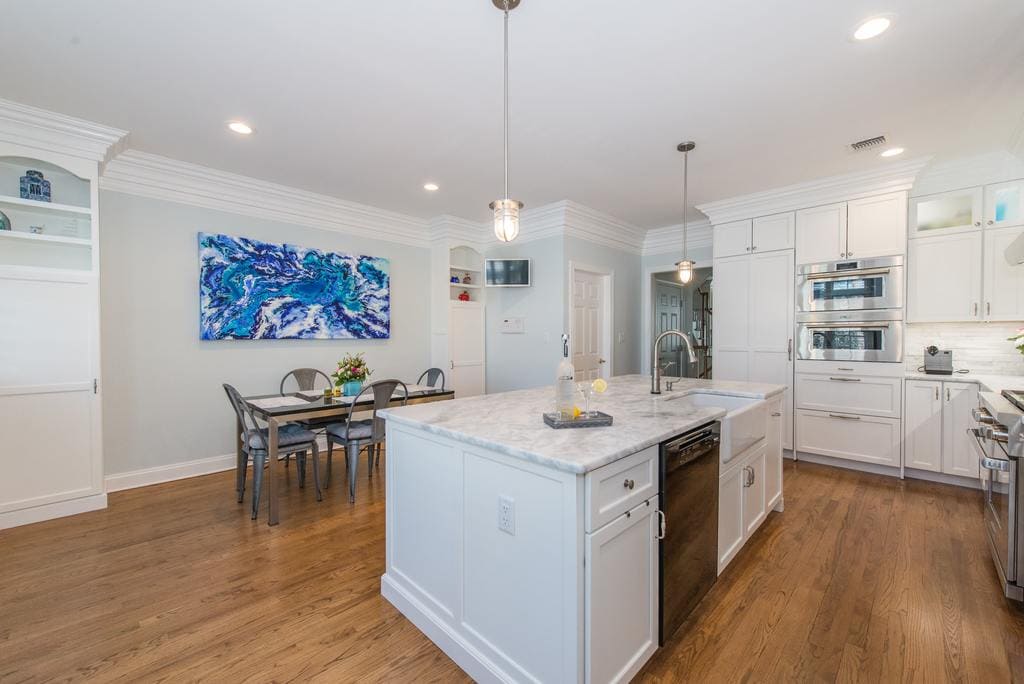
column 245, row 417
column 432, row 375
column 383, row 391
column 305, row 378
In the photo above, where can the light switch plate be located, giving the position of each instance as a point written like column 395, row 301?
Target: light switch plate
column 513, row 325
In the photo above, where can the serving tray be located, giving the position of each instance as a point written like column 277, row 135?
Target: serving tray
column 596, row 419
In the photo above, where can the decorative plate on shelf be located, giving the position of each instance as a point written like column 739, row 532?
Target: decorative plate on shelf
column 5, row 223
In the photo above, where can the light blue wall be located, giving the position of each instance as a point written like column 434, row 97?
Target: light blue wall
column 527, row 360
column 162, row 396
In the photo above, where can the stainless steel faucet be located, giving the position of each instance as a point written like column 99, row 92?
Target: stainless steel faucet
column 655, row 370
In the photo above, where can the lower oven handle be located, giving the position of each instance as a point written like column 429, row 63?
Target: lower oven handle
column 1000, row 464
column 846, row 326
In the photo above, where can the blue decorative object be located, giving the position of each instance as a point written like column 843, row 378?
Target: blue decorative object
column 351, row 388
column 251, row 290
column 5, row 223
column 35, row 187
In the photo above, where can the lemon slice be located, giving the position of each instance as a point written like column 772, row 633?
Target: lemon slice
column 599, row 385
column 576, row 412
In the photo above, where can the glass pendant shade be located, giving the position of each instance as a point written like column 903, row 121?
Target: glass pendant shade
column 685, row 270
column 506, row 219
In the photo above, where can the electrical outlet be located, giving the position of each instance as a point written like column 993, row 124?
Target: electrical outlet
column 507, row 515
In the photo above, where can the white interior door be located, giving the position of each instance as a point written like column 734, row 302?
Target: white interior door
column 589, row 357
column 49, row 413
column 466, row 348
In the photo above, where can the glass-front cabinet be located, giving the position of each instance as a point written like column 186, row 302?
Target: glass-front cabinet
column 948, row 212
column 1004, row 204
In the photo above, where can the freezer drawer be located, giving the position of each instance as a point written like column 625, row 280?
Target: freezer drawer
column 868, row 439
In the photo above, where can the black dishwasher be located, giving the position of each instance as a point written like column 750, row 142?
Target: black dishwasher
column 689, row 526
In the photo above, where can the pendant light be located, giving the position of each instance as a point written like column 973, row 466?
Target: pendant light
column 506, row 211
column 685, row 265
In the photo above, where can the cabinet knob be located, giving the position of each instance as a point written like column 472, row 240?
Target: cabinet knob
column 842, row 255
column 629, row 484
column 849, row 254
column 990, row 222
column 977, row 223
column 754, row 248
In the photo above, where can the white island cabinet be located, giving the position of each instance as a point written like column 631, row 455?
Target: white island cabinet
column 529, row 554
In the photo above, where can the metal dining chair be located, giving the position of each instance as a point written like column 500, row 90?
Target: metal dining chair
column 291, row 439
column 432, row 375
column 355, row 435
column 306, row 380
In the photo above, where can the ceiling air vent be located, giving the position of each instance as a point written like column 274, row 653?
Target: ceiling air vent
column 867, row 143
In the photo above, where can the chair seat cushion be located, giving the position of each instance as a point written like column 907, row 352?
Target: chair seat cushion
column 287, row 435
column 361, row 429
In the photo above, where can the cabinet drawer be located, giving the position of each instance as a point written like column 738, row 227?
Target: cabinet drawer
column 868, row 439
column 617, row 487
column 858, row 394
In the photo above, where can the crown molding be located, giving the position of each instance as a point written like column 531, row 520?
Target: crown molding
column 670, row 238
column 455, row 230
column 30, row 126
column 943, row 175
column 888, row 178
column 589, row 224
column 150, row 175
column 1016, row 142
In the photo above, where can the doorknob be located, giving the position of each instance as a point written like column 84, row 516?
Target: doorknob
column 601, row 361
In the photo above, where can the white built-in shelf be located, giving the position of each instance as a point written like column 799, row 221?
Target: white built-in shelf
column 455, row 267
column 58, row 239
column 465, row 285
column 46, row 206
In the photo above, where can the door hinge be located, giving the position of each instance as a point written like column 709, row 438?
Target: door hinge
column 95, row 384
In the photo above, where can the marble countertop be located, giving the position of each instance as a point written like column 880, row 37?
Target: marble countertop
column 990, row 383
column 511, row 422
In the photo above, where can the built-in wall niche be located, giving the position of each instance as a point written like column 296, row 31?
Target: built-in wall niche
column 51, row 234
column 465, row 274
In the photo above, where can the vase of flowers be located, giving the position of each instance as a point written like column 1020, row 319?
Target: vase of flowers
column 352, row 372
column 1018, row 340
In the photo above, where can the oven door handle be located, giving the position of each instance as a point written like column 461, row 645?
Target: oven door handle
column 848, row 326
column 846, row 275
column 1000, row 464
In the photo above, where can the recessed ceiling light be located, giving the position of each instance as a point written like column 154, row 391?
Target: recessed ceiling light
column 892, row 152
column 870, row 28
column 240, row 127
column 431, row 187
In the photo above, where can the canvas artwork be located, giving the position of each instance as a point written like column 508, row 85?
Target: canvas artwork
column 252, row 290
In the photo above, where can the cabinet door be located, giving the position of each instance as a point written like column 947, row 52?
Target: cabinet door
column 1004, row 204
column 944, row 278
column 775, row 232
column 922, row 426
column 621, row 629
column 947, row 212
column 863, row 395
column 877, row 226
column 730, row 515
column 754, row 502
column 959, row 451
column 773, row 455
column 771, row 325
column 821, row 234
column 855, row 438
column 732, row 239
column 1004, row 284
column 732, row 297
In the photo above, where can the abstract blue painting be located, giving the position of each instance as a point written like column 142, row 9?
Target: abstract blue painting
column 252, row 290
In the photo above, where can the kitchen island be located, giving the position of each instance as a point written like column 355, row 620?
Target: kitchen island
column 531, row 554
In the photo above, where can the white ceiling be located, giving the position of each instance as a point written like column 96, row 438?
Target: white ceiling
column 366, row 101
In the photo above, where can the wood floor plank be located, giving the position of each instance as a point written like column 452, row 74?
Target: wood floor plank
column 862, row 579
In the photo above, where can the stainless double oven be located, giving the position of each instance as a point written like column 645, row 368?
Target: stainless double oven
column 999, row 450
column 850, row 310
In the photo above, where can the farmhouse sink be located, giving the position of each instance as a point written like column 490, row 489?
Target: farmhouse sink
column 745, row 424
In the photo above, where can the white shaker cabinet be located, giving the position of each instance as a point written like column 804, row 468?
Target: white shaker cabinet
column 821, row 234
column 732, row 239
column 742, row 501
column 876, row 226
column 944, row 278
column 1003, row 283
column 622, row 585
column 773, row 456
column 922, row 425
column 938, row 415
column 775, row 232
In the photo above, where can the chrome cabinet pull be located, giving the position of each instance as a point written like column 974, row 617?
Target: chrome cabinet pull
column 746, row 477
column 776, row 415
column 789, row 350
column 936, row 394
column 988, row 308
column 845, row 369
column 839, row 415
column 629, row 484
column 661, row 524
column 845, row 379
column 947, row 394
column 975, row 309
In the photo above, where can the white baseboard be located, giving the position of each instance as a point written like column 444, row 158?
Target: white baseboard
column 472, row 662
column 166, row 473
column 891, row 471
column 969, row 482
column 58, row 509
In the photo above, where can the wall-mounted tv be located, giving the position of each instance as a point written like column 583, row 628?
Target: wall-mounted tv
column 507, row 272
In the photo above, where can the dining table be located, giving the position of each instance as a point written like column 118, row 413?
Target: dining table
column 279, row 409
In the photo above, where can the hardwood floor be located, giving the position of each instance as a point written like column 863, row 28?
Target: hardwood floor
column 863, row 578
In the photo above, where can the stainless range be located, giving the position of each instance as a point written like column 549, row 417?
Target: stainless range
column 999, row 433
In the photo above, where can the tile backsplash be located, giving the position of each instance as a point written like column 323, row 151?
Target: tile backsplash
column 978, row 347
